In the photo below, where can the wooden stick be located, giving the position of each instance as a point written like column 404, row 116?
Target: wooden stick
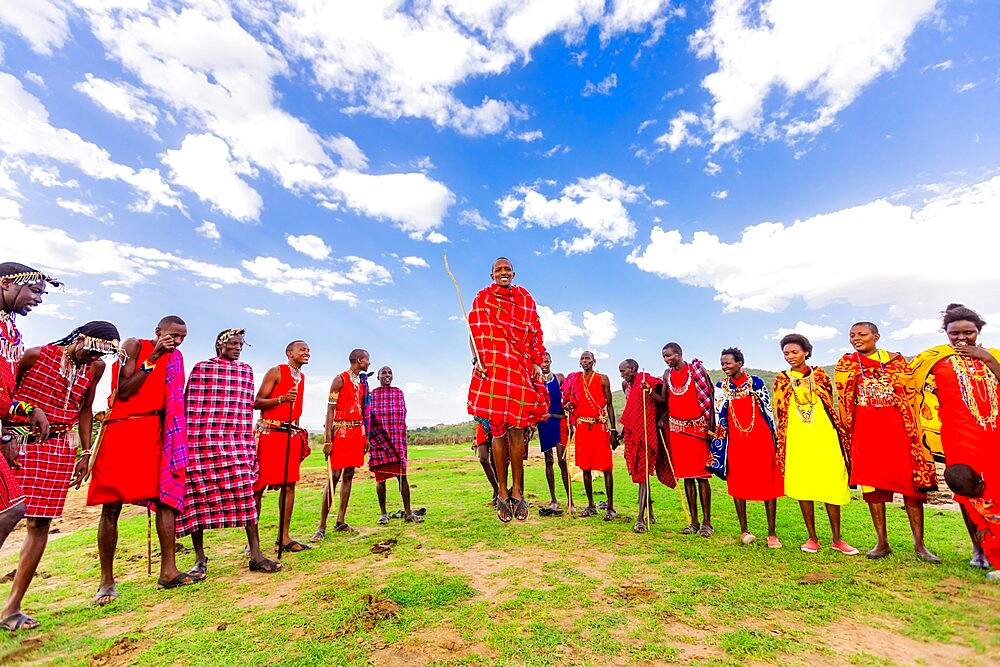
column 645, row 453
column 149, row 542
column 680, row 492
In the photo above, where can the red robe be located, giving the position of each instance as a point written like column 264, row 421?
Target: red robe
column 752, row 466
column 589, row 414
column 274, row 443
column 689, row 452
column 349, row 437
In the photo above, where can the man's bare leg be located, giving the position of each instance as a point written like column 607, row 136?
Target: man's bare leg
column 166, row 523
column 500, row 465
column 550, row 478
column 286, row 509
column 705, row 492
column 691, row 493
column 978, row 555
column 345, row 497
column 9, row 519
column 380, row 494
column 915, row 513
column 516, row 437
column 609, row 490
column 325, row 505
column 107, row 544
column 640, row 521
column 485, row 460
column 200, row 559
column 588, row 487
column 27, row 564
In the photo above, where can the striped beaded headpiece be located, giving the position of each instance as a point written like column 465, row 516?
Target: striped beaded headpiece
column 31, row 277
column 224, row 336
column 97, row 336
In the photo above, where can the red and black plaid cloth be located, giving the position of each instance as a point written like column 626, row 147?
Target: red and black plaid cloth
column 47, row 467
column 508, row 338
column 222, row 450
column 386, row 412
column 642, row 443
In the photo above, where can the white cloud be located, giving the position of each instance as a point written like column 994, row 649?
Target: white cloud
column 26, row 131
column 474, row 218
column 602, row 87
column 918, row 327
column 644, row 124
column 393, row 64
column 120, row 297
column 601, row 327
column 811, row 58
column 558, row 328
column 365, row 271
column 53, row 310
column 417, row 203
column 209, row 230
column 82, row 208
column 720, row 194
column 35, row 78
column 204, row 165
column 598, row 355
column 283, row 278
column 260, row 312
column 48, row 176
column 415, row 261
column 965, row 87
column 527, row 137
column 595, row 206
column 679, row 133
column 712, row 168
column 120, row 99
column 410, row 318
column 555, row 150
column 942, row 66
column 309, row 245
column 436, row 237
column 814, row 332
column 772, row 264
column 351, row 156
column 43, row 24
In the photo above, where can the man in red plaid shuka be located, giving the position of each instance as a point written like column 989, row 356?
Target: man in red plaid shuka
column 506, row 386
column 222, row 453
column 643, row 452
column 386, row 413
column 59, row 379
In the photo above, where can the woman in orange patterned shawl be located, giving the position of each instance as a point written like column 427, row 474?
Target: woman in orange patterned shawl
column 957, row 387
column 876, row 409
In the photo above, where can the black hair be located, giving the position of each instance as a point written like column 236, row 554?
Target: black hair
column 673, row 346
column 288, row 348
column 956, row 312
column 799, row 340
column 735, row 353
column 171, row 319
column 962, row 479
column 870, row 325
column 96, row 329
column 356, row 354
column 633, row 363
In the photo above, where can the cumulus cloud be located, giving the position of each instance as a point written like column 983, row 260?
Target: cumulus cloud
column 720, row 194
column 416, row 202
column 260, row 312
column 602, row 87
column 309, row 245
column 558, row 328
column 598, row 355
column 809, row 60
column 814, row 332
column 120, row 297
column 120, row 99
column 409, row 317
column 415, row 261
column 595, row 206
column 82, row 208
column 44, row 24
column 204, row 165
column 527, row 137
column 394, row 64
column 601, row 327
column 209, row 230
column 819, row 261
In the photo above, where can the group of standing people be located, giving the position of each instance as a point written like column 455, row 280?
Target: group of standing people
column 881, row 431
column 186, row 447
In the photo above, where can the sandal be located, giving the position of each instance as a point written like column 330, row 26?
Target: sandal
column 610, row 515
column 691, row 528
column 344, row 528
column 706, row 530
column 266, row 566
column 588, row 511
column 639, row 527
column 318, row 536
column 521, row 509
column 182, row 579
column 110, row 593
column 398, row 514
column 383, row 520
column 294, row 547
column 18, row 621
column 504, row 513
column 200, row 570
column 413, row 517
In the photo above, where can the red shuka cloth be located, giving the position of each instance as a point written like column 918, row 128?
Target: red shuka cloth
column 507, row 335
column 348, row 442
column 275, row 446
column 689, row 454
column 642, row 443
column 752, row 467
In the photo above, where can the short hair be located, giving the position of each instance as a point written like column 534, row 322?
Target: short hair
column 631, row 362
column 799, row 340
column 871, row 326
column 547, row 355
column 356, row 354
column 385, row 368
column 676, row 347
column 734, row 352
column 961, row 479
column 503, row 258
column 956, row 312
column 288, row 348
column 170, row 319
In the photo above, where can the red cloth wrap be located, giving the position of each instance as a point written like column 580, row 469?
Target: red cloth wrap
column 753, row 468
column 348, row 442
column 275, row 446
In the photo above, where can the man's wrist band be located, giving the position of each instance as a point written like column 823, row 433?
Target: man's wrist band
column 22, row 408
column 147, row 367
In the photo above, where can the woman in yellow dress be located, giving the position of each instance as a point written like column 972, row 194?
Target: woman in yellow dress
column 811, row 453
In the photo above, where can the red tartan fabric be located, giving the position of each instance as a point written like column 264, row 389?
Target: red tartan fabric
column 222, row 453
column 642, row 445
column 387, row 471
column 507, row 335
column 47, row 467
column 386, row 410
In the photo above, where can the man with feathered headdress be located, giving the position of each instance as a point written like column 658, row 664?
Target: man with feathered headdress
column 222, row 452
column 59, row 379
column 21, row 289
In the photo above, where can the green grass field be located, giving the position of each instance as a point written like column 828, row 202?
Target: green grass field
column 463, row 589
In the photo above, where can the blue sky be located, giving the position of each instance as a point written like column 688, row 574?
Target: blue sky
column 714, row 173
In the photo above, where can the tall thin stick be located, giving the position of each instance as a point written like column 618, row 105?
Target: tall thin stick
column 645, row 453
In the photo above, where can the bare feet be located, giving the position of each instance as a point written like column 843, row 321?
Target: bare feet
column 879, row 552
column 925, row 555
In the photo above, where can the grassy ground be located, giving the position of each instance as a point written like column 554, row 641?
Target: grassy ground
column 464, row 589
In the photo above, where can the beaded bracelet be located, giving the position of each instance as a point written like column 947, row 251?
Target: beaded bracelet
column 147, row 367
column 22, row 408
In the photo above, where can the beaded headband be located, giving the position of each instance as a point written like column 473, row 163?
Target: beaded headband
column 31, row 277
column 105, row 347
column 230, row 333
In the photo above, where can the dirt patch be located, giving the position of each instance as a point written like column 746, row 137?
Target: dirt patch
column 27, row 646
column 816, row 578
column 433, row 646
column 384, row 547
column 119, row 653
column 479, row 566
column 377, row 608
column 274, row 593
column 848, row 637
column 637, row 593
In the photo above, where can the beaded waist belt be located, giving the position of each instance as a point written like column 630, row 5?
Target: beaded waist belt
column 590, row 421
column 348, row 424
column 272, row 425
column 696, row 427
column 25, row 433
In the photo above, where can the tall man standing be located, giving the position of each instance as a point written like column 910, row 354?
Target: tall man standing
column 506, row 386
column 281, row 444
column 587, row 397
column 690, row 395
column 61, row 379
column 21, row 289
column 143, row 451
column 553, row 434
column 387, row 442
column 222, row 453
column 345, row 442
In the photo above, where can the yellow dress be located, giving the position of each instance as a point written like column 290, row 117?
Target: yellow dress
column 814, row 466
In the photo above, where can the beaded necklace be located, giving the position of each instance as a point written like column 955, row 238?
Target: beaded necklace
column 11, row 343
column 684, row 388
column 806, row 413
column 874, row 389
column 974, row 382
column 731, row 392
